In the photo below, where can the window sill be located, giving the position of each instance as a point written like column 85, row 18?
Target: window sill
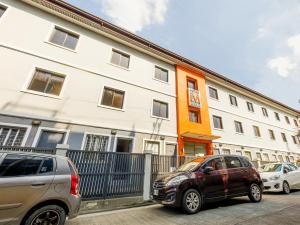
column 161, row 81
column 120, row 67
column 41, row 94
column 60, row 46
column 162, row 118
column 219, row 129
column 239, row 133
column 109, row 107
column 234, row 106
column 215, row 99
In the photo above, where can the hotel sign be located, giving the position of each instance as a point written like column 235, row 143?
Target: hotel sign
column 194, row 98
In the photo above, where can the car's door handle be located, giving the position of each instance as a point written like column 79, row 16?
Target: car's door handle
column 37, row 184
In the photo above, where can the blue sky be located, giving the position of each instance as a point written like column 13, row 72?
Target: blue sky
column 256, row 43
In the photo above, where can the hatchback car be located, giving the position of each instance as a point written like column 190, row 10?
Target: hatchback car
column 37, row 189
column 280, row 177
column 207, row 179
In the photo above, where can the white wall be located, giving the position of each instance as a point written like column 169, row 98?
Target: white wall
column 229, row 114
column 24, row 32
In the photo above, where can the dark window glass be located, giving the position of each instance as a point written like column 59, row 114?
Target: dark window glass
column 194, row 116
column 16, row 165
column 283, row 137
column 160, row 109
column 296, row 123
column 11, row 136
column 96, row 143
column 294, row 140
column 265, row 112
column 245, row 162
column 216, row 164
column 250, row 107
column 238, row 127
column 217, row 120
column 47, row 166
column 46, row 82
column 272, row 135
column 256, row 131
column 2, row 10
column 192, row 84
column 287, row 120
column 213, row 93
column 64, row 38
column 233, row 100
column 113, row 98
column 120, row 59
column 277, row 116
column 161, row 74
column 49, row 139
column 232, row 162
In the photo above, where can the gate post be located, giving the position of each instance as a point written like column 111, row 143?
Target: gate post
column 147, row 175
column 61, row 149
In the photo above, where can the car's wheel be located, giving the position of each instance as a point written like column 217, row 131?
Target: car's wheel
column 286, row 187
column 255, row 193
column 50, row 214
column 191, row 202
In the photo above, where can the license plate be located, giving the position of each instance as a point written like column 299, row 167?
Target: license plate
column 155, row 192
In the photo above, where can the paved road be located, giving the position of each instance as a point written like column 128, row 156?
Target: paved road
column 274, row 209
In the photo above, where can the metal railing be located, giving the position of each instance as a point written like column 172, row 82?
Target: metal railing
column 106, row 175
column 28, row 149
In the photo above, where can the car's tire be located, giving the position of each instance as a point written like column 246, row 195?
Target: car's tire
column 50, row 213
column 286, row 188
column 255, row 193
column 191, row 201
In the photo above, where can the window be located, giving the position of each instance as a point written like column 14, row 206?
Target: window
column 153, row 146
column 287, row 120
column 245, row 161
column 217, row 120
column 287, row 158
column 272, row 135
column 256, row 131
column 283, row 137
column 194, row 116
column 296, row 123
column 258, row 156
column 265, row 112
column 280, row 158
column 294, row 140
column 11, row 136
column 238, row 152
column 2, row 10
column 277, row 116
column 161, row 74
column 20, row 165
column 248, row 155
column 232, row 162
column 47, row 166
column 238, row 127
column 233, row 100
column 274, row 158
column 213, row 93
column 216, row 151
column 266, row 157
column 292, row 167
column 250, row 107
column 226, row 152
column 64, row 38
column 46, row 82
column 120, row 59
column 49, row 139
column 192, row 84
column 97, row 143
column 216, row 164
column 160, row 109
column 113, row 98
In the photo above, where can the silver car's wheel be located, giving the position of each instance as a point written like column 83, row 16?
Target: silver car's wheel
column 286, row 187
column 255, row 193
column 47, row 215
column 191, row 201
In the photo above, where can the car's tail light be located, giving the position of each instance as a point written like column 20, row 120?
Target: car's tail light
column 74, row 185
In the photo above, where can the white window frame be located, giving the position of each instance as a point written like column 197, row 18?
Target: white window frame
column 6, row 11
column 230, row 95
column 236, row 152
column 226, row 149
column 121, row 52
column 51, row 30
column 240, row 133
column 154, row 78
column 221, row 129
column 251, row 157
column 252, row 106
column 216, row 99
column 163, row 101
column 97, row 134
column 165, row 143
column 110, row 107
column 30, row 77
column 161, row 149
column 41, row 129
column 123, row 137
column 16, row 125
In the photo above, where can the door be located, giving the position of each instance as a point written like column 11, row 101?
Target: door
column 294, row 175
column 213, row 183
column 237, row 176
column 287, row 175
column 23, row 181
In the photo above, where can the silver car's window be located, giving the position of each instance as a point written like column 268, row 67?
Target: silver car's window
column 20, row 165
column 47, row 166
column 293, row 167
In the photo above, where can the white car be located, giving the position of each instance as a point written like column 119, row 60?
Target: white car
column 279, row 177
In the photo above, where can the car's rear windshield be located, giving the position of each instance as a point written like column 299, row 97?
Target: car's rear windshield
column 271, row 168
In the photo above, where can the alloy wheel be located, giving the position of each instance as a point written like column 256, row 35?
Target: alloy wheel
column 192, row 201
column 256, row 192
column 49, row 217
column 286, row 188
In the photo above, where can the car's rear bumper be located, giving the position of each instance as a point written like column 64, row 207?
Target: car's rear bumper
column 75, row 202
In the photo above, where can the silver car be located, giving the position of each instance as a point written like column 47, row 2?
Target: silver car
column 37, row 189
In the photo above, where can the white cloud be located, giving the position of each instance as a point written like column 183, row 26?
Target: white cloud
column 134, row 15
column 294, row 43
column 282, row 65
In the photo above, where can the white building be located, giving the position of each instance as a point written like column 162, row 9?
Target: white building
column 63, row 81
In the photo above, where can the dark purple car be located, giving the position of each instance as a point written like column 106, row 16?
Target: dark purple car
column 208, row 179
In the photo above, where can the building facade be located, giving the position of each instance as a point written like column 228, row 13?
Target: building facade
column 68, row 77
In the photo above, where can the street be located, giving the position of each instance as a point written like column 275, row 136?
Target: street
column 274, row 209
